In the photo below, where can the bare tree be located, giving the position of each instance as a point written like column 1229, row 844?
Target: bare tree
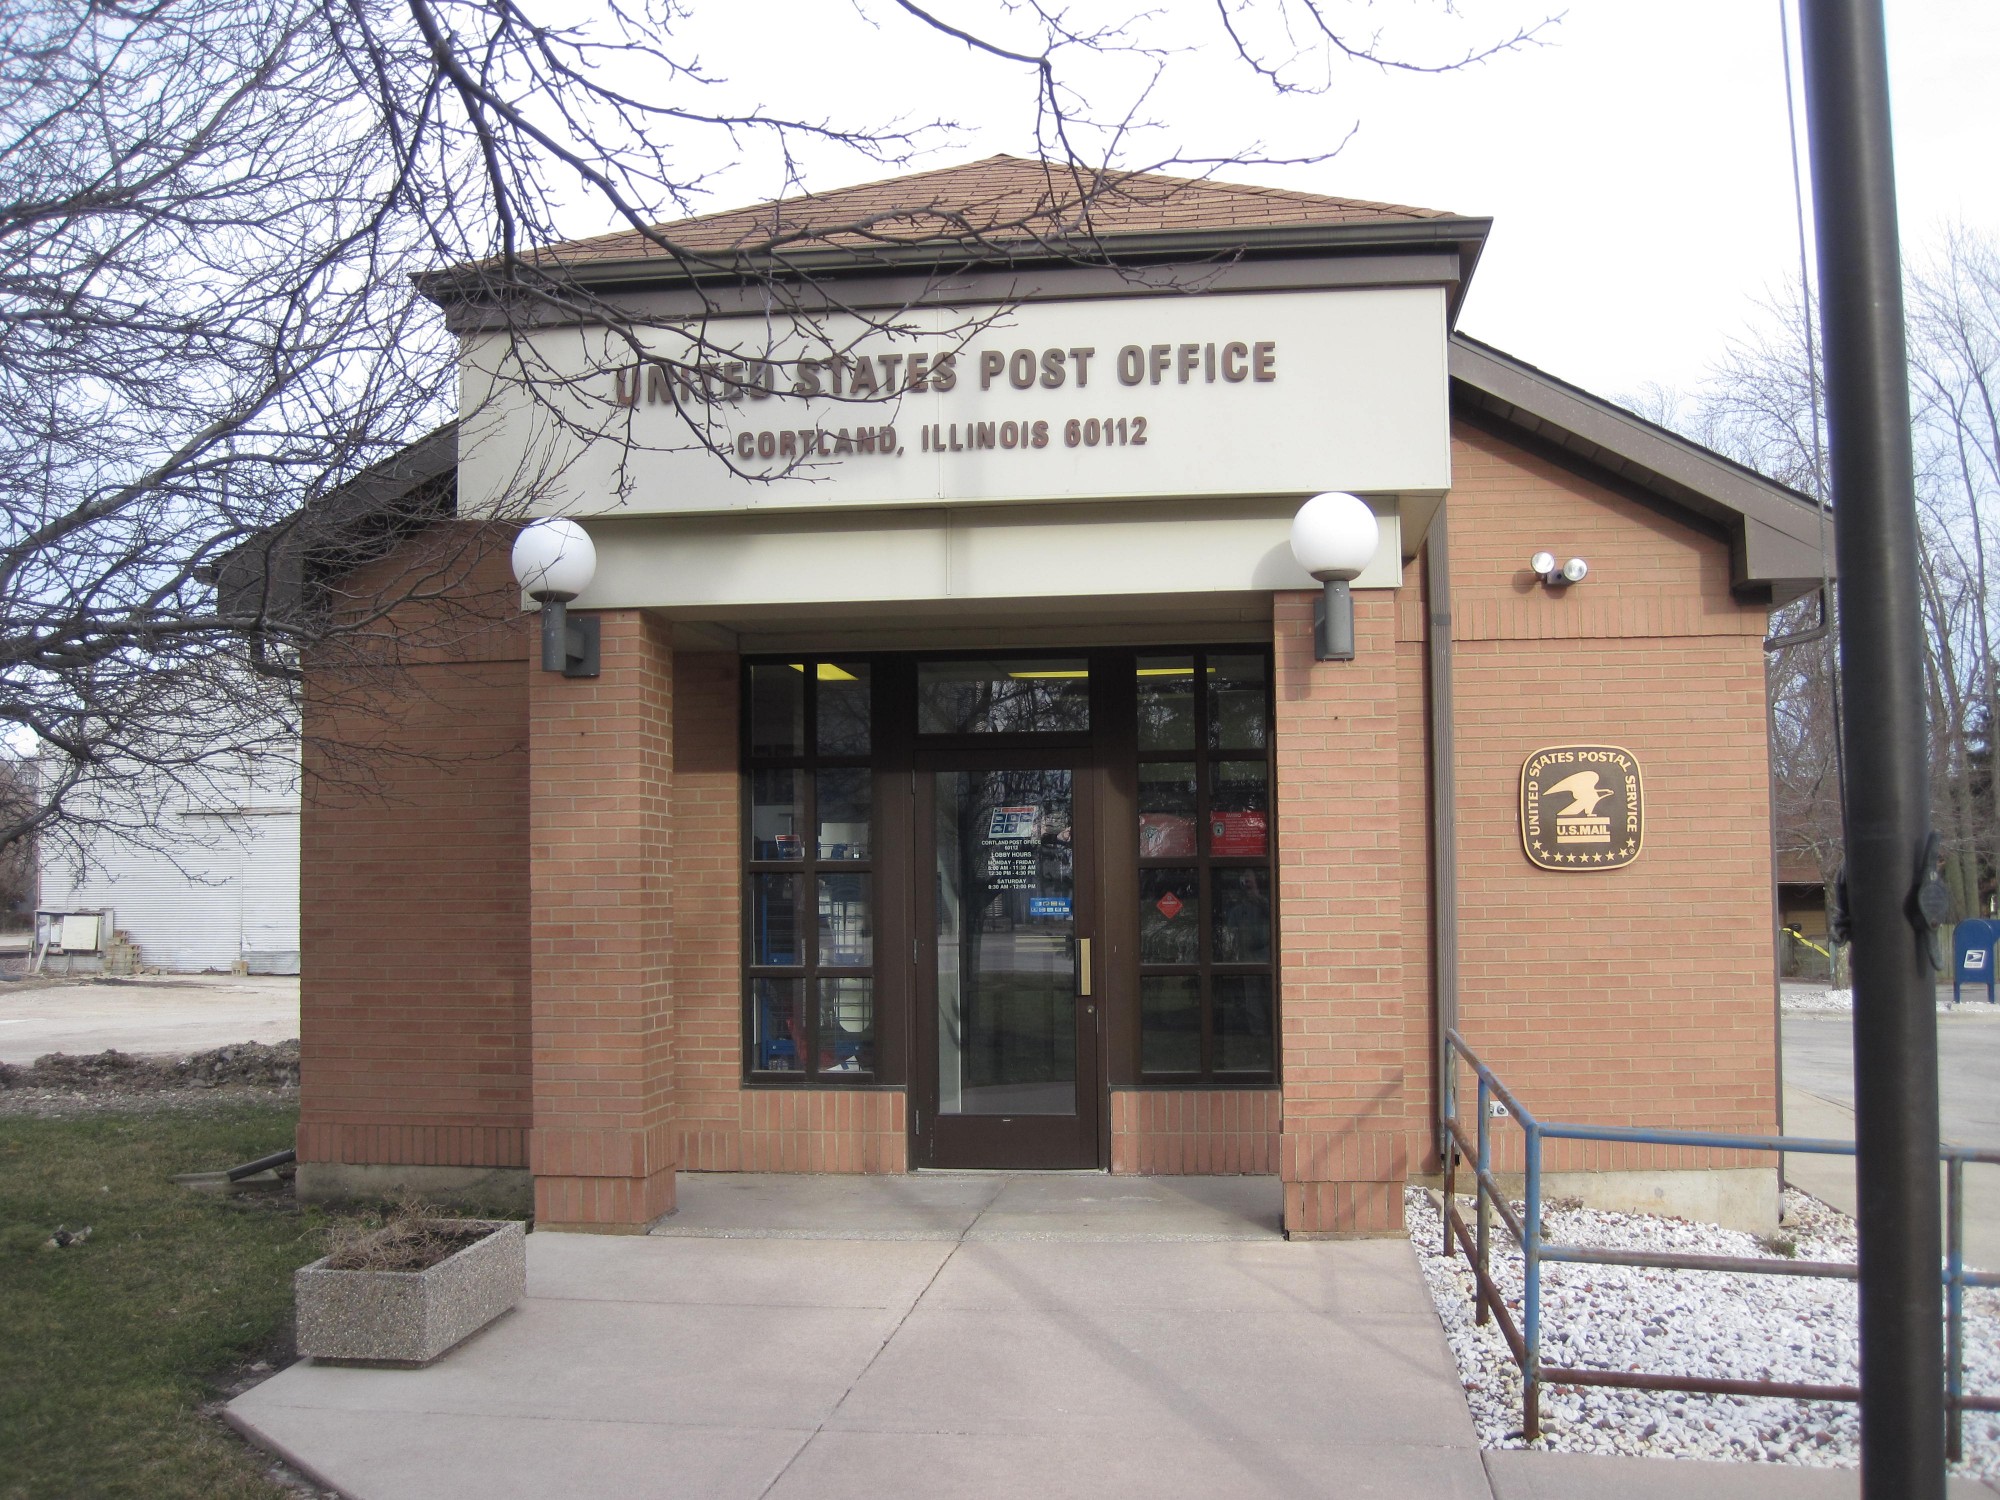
column 1758, row 407
column 212, row 213
column 1955, row 378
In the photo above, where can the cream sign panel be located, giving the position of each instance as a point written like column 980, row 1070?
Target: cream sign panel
column 1276, row 394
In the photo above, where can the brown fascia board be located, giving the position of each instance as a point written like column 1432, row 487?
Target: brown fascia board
column 1464, row 236
column 353, row 523
column 1774, row 532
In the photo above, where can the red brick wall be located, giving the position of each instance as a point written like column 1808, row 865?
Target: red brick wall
column 1177, row 1132
column 708, row 894
column 1641, row 995
column 413, row 897
column 1344, row 1153
column 822, row 1130
column 1634, row 996
column 601, row 841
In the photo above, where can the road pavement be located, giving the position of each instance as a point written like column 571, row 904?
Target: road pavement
column 1819, row 1101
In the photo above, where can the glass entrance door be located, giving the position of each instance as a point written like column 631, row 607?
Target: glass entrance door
column 1011, row 1051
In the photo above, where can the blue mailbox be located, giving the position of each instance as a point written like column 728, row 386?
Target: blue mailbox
column 1973, row 942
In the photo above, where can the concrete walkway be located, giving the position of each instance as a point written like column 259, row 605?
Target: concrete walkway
column 947, row 1335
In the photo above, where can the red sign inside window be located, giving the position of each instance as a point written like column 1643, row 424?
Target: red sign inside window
column 1169, row 906
column 1238, row 833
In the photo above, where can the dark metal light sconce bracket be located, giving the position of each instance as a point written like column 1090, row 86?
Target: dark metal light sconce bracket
column 1333, row 622
column 569, row 646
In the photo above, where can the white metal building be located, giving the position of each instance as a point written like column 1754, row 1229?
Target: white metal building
column 217, row 885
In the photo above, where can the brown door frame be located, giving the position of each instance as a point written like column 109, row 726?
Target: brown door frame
column 1025, row 1142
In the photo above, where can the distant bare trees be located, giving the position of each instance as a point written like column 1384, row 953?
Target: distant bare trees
column 1757, row 407
column 211, row 212
column 1954, row 313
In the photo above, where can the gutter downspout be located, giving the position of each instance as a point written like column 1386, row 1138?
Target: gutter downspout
column 1444, row 799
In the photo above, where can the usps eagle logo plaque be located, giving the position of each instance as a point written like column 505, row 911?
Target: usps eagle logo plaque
column 1583, row 807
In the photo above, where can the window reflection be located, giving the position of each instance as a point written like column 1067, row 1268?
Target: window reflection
column 1003, row 697
column 776, row 804
column 774, row 920
column 1236, row 702
column 777, row 709
column 1204, row 789
column 1242, row 916
column 844, row 702
column 1170, row 1023
column 842, row 812
column 847, row 1025
column 1243, row 1023
column 1169, row 916
column 846, row 922
column 780, row 1027
column 811, row 806
column 1166, row 703
column 1167, row 810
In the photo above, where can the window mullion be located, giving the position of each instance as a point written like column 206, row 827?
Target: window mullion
column 1205, row 884
column 809, row 849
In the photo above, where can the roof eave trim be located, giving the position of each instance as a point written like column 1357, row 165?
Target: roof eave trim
column 1772, row 527
column 1468, row 235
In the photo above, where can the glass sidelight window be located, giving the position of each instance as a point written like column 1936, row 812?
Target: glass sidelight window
column 809, row 870
column 1207, row 996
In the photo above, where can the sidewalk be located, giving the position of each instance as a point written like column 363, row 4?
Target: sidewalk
column 948, row 1335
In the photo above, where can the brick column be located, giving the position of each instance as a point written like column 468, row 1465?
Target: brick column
column 1344, row 1151
column 600, row 773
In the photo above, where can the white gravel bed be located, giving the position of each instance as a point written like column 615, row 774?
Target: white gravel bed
column 1825, row 1002
column 1733, row 1326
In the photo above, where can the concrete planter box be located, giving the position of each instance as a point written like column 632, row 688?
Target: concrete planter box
column 411, row 1317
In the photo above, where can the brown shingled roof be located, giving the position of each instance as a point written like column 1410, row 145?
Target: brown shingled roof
column 1002, row 199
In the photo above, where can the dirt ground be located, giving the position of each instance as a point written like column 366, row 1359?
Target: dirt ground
column 167, row 1015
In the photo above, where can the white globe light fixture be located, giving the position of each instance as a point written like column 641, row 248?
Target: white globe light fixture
column 1333, row 537
column 554, row 561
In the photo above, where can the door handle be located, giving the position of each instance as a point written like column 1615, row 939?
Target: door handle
column 1083, row 967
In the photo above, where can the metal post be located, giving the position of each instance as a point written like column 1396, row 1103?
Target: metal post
column 1531, row 1290
column 1448, row 1111
column 1888, row 822
column 1954, row 1332
column 1483, row 1216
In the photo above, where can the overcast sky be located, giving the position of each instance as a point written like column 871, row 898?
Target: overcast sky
column 1635, row 163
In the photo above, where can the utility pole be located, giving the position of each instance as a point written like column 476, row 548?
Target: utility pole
column 1890, row 856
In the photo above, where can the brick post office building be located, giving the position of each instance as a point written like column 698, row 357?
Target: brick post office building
column 961, row 785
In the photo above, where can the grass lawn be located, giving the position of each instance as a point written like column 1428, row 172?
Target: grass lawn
column 109, row 1349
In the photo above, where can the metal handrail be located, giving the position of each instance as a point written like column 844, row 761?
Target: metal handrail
column 1525, row 1341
